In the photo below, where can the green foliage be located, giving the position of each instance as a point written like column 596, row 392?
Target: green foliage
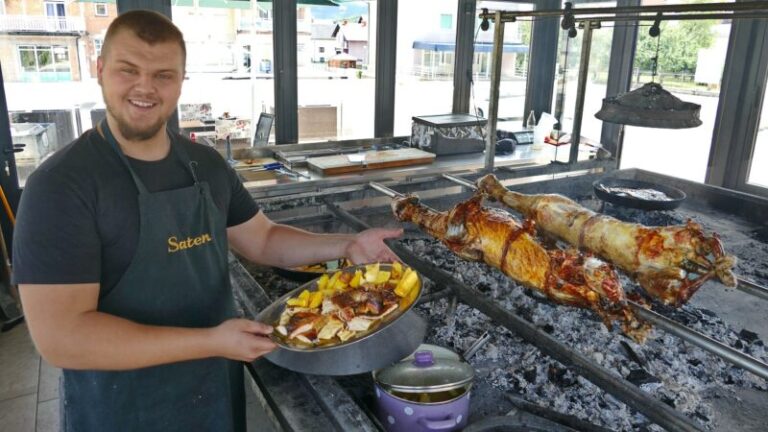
column 678, row 47
column 525, row 38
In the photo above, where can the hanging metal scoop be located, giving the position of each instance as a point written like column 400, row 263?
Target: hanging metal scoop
column 650, row 106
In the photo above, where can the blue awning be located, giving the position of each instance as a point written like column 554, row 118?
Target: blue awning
column 480, row 47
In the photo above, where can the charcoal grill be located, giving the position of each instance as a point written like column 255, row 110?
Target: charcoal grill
column 343, row 403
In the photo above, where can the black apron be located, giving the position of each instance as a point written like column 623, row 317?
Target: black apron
column 179, row 276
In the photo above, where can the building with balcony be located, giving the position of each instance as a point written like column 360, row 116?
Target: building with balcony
column 43, row 41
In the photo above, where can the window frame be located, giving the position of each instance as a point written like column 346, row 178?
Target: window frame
column 96, row 10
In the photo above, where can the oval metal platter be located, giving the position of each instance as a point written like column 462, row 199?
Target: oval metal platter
column 395, row 338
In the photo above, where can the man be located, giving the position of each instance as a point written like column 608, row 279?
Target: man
column 121, row 255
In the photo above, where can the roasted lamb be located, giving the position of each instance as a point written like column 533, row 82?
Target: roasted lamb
column 670, row 263
column 490, row 235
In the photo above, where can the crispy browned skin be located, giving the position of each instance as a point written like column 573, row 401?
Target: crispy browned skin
column 490, row 235
column 670, row 263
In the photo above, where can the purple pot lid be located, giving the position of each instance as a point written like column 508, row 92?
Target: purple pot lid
column 425, row 373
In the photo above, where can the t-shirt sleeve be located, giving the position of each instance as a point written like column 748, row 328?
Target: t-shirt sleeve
column 56, row 240
column 242, row 207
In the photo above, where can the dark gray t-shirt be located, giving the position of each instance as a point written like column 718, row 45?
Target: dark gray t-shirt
column 78, row 220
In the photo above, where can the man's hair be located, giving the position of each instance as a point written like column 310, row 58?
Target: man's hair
column 149, row 26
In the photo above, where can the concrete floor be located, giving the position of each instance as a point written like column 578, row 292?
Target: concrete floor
column 29, row 389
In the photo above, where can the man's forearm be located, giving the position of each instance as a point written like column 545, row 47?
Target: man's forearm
column 96, row 340
column 290, row 247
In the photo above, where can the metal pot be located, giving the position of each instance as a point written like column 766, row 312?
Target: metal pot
column 387, row 344
column 426, row 393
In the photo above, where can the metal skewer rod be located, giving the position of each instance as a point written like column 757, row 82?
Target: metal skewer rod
column 385, row 190
column 752, row 288
column 702, row 341
column 461, row 181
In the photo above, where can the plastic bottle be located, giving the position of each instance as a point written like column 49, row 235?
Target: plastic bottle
column 530, row 123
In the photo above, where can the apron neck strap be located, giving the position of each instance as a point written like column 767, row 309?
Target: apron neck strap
column 175, row 149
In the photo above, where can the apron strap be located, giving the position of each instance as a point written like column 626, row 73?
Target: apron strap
column 179, row 152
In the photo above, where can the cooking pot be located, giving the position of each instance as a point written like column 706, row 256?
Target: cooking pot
column 428, row 392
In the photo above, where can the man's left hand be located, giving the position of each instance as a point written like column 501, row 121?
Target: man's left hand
column 368, row 246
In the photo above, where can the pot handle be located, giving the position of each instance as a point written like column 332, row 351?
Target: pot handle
column 437, row 425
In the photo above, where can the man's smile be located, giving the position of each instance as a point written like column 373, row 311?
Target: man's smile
column 141, row 103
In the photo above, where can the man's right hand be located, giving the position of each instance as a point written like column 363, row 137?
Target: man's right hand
column 242, row 339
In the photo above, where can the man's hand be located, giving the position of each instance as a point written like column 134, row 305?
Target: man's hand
column 242, row 339
column 368, row 246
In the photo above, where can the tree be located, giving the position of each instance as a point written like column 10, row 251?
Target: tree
column 679, row 46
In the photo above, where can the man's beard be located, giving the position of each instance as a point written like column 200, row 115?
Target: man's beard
column 132, row 133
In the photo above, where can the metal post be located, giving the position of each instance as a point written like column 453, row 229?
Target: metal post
column 386, row 68
column 493, row 101
column 285, row 71
column 586, row 47
column 465, row 49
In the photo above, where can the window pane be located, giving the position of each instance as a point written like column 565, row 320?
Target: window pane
column 446, row 22
column 691, row 61
column 49, row 75
column 27, row 58
column 758, row 174
column 61, row 59
column 423, row 84
column 566, row 82
column 336, row 90
column 44, row 61
column 229, row 65
column 514, row 66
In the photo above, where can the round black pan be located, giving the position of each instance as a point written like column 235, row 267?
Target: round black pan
column 676, row 194
column 306, row 276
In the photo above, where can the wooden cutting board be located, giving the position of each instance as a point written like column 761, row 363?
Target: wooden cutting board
column 373, row 159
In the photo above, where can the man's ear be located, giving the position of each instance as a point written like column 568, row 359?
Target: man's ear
column 99, row 68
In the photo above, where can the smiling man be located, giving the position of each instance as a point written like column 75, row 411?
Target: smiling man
column 120, row 254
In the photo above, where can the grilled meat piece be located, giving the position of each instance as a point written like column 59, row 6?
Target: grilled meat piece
column 490, row 235
column 670, row 263
column 303, row 323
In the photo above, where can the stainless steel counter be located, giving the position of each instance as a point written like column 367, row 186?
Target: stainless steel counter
column 523, row 156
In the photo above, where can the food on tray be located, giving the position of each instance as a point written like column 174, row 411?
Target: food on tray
column 490, row 235
column 670, row 263
column 347, row 304
column 647, row 194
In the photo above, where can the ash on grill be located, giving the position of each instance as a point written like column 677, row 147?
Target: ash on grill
column 680, row 374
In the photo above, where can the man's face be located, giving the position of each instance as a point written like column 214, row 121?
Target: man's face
column 141, row 84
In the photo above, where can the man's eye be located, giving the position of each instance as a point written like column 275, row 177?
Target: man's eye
column 128, row 71
column 165, row 76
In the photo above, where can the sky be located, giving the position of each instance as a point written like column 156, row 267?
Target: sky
column 342, row 11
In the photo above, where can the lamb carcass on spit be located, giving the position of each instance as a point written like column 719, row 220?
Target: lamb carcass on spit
column 670, row 262
column 493, row 236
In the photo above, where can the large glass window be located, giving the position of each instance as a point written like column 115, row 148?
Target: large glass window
column 336, row 70
column 425, row 48
column 566, row 82
column 514, row 66
column 49, row 74
column 691, row 58
column 229, row 66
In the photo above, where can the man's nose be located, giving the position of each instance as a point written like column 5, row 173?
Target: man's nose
column 145, row 82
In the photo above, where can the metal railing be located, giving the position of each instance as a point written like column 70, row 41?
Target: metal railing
column 41, row 23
